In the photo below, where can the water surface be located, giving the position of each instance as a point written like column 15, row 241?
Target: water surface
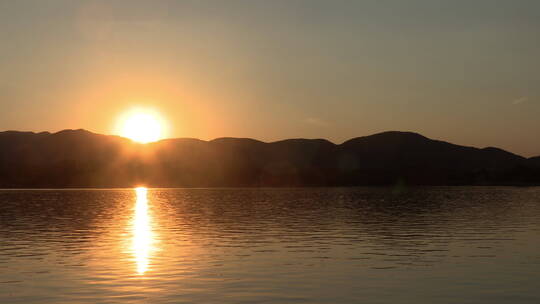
column 320, row 245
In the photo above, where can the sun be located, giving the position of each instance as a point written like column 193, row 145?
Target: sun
column 142, row 125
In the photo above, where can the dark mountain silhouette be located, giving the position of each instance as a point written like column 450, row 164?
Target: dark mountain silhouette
column 78, row 158
column 535, row 160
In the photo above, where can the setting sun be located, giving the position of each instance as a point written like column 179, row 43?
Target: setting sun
column 142, row 126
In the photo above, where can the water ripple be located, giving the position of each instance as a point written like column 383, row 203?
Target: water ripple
column 335, row 245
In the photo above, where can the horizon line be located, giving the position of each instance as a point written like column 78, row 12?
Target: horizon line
column 266, row 142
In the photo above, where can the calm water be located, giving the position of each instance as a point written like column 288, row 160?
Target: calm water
column 336, row 245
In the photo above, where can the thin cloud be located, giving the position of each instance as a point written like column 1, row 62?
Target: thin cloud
column 520, row 100
column 316, row 121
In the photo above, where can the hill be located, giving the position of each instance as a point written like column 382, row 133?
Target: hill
column 78, row 158
column 535, row 160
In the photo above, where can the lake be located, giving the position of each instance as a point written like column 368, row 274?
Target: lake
column 310, row 245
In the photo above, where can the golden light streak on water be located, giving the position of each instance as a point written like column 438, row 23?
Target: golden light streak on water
column 142, row 231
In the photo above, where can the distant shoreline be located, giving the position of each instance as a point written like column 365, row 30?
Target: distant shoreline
column 80, row 159
column 270, row 188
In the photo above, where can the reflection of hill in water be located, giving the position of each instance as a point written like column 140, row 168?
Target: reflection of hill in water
column 404, row 228
column 416, row 227
column 37, row 219
column 82, row 159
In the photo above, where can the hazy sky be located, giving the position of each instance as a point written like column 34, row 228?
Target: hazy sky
column 467, row 72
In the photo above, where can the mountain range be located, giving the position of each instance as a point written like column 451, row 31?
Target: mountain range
column 79, row 158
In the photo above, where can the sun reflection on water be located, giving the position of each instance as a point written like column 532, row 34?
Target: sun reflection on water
column 142, row 231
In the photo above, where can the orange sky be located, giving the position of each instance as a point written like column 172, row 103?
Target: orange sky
column 463, row 72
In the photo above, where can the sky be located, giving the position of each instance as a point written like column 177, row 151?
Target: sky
column 467, row 72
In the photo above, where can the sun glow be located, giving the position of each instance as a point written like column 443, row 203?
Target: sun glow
column 142, row 126
column 142, row 231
